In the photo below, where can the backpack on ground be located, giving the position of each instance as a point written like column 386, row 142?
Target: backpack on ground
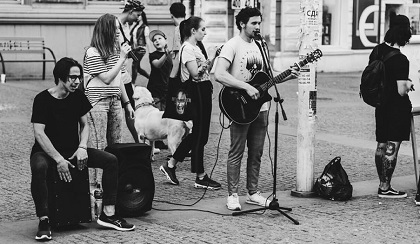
column 334, row 184
column 372, row 84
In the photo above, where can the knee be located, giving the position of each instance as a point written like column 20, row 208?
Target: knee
column 111, row 162
column 39, row 165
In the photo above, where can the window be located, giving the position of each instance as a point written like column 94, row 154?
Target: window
column 331, row 21
column 414, row 16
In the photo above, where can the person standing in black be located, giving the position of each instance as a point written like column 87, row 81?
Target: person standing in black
column 393, row 116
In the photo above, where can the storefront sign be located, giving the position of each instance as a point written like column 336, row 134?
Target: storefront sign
column 365, row 24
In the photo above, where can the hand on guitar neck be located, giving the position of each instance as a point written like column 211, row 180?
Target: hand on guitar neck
column 255, row 93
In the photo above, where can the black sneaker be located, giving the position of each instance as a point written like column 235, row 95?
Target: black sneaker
column 417, row 199
column 114, row 222
column 169, row 173
column 44, row 230
column 391, row 193
column 208, row 183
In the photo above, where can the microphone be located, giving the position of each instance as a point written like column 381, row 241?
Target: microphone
column 131, row 53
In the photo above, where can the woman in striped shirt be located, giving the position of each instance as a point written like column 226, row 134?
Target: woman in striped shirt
column 104, row 62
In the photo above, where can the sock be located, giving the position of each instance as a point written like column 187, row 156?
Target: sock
column 251, row 192
column 171, row 164
column 201, row 176
column 43, row 217
column 109, row 210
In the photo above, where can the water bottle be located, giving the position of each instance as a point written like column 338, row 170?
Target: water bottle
column 93, row 205
column 98, row 200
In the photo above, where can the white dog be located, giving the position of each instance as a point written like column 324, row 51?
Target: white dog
column 150, row 125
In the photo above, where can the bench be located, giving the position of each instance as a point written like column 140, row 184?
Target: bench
column 25, row 45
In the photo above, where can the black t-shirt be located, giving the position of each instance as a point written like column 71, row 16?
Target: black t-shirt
column 61, row 119
column 396, row 68
column 159, row 77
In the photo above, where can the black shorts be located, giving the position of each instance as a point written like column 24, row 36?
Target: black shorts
column 393, row 123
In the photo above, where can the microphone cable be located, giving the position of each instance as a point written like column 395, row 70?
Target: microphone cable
column 204, row 193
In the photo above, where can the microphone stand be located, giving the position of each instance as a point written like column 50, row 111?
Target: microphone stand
column 274, row 204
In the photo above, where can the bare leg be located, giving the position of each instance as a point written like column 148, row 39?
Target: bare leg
column 130, row 124
column 386, row 160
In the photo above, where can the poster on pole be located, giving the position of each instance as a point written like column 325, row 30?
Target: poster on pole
column 239, row 4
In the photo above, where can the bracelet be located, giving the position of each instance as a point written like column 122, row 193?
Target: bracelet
column 84, row 147
column 125, row 104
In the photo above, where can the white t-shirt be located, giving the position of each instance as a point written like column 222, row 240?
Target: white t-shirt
column 245, row 60
column 192, row 53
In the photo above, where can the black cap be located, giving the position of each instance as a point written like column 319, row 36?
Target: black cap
column 133, row 5
column 399, row 20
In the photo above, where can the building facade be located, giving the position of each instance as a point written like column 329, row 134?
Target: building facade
column 350, row 28
column 66, row 26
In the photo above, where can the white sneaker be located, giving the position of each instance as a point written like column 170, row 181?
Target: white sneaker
column 257, row 199
column 233, row 202
column 156, row 151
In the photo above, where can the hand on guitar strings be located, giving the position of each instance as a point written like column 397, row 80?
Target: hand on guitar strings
column 252, row 91
column 295, row 72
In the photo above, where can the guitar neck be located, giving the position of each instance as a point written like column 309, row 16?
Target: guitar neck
column 279, row 78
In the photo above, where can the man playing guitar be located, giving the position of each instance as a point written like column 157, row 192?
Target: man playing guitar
column 240, row 59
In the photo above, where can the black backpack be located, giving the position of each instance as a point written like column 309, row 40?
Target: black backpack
column 334, row 184
column 372, row 84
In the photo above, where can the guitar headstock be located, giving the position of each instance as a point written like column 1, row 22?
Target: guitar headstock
column 314, row 56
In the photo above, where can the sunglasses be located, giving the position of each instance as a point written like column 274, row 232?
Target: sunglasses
column 73, row 78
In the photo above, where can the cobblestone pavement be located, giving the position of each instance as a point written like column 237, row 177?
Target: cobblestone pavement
column 345, row 127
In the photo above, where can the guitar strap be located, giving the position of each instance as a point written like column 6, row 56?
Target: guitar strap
column 266, row 65
column 123, row 34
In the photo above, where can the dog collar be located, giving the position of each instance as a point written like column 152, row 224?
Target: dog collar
column 143, row 104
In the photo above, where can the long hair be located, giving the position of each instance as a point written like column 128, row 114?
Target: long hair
column 144, row 18
column 104, row 35
column 244, row 15
column 399, row 31
column 62, row 69
column 185, row 26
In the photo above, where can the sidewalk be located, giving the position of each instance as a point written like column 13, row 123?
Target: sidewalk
column 345, row 127
column 364, row 219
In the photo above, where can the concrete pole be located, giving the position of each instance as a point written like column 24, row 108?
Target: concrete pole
column 309, row 39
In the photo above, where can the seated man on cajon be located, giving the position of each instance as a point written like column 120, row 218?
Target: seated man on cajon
column 57, row 114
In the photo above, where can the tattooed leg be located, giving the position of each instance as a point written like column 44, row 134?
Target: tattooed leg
column 389, row 162
column 379, row 154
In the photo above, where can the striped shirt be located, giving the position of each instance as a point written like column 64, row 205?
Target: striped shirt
column 94, row 65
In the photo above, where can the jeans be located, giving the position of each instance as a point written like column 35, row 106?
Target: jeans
column 254, row 136
column 105, row 120
column 40, row 162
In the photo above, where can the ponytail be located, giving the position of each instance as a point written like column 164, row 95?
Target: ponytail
column 185, row 26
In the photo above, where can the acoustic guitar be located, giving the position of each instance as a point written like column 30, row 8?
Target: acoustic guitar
column 239, row 107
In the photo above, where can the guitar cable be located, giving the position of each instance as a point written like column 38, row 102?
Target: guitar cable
column 222, row 122
column 205, row 190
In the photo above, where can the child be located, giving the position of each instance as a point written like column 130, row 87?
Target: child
column 161, row 66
